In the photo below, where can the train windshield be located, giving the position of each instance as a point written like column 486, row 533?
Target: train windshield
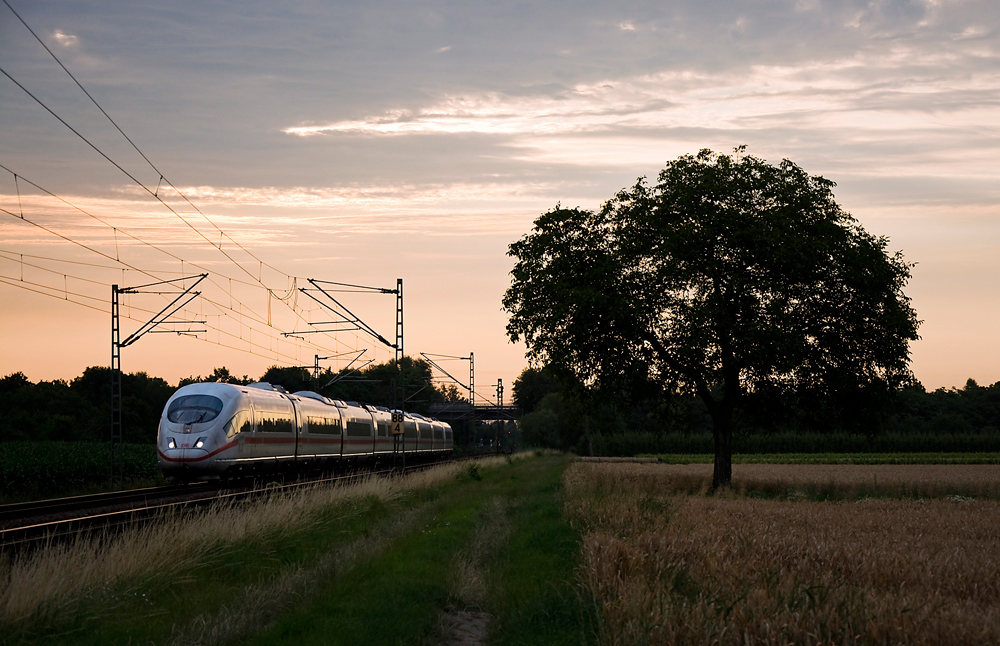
column 194, row 409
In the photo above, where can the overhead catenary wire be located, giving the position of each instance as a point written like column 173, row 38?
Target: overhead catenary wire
column 290, row 293
column 289, row 297
column 244, row 309
column 80, row 85
column 78, row 262
column 58, row 293
column 53, row 271
column 46, row 290
column 156, row 247
column 162, row 177
column 156, row 196
column 217, row 329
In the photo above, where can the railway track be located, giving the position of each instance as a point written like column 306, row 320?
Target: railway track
column 29, row 523
column 26, row 524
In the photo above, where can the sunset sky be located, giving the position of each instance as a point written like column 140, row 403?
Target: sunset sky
column 365, row 142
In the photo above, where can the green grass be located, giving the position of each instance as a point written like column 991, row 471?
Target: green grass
column 536, row 601
column 834, row 458
column 366, row 571
column 398, row 598
column 151, row 608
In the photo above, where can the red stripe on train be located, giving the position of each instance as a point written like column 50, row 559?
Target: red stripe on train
column 199, row 459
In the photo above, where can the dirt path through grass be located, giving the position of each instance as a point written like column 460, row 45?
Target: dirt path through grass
column 496, row 546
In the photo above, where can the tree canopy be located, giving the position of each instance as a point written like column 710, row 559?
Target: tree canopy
column 730, row 276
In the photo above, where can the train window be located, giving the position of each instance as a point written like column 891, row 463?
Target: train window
column 240, row 423
column 324, row 425
column 359, row 429
column 194, row 409
column 271, row 422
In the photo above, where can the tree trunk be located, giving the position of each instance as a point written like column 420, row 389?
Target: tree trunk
column 722, row 431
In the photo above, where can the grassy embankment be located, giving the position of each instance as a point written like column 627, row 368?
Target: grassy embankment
column 383, row 562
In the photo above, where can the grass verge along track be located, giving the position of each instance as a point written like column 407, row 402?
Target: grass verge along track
column 383, row 561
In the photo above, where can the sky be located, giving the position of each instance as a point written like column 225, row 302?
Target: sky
column 364, row 142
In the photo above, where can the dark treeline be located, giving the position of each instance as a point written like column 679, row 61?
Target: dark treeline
column 559, row 412
column 80, row 410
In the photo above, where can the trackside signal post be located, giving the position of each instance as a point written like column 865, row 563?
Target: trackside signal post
column 161, row 318
column 398, row 418
column 398, row 427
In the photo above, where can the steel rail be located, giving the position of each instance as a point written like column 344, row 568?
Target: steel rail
column 21, row 510
column 26, row 524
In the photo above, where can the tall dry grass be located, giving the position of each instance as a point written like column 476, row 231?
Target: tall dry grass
column 45, row 579
column 665, row 566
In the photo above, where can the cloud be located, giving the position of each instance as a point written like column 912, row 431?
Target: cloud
column 66, row 40
column 902, row 79
column 873, row 101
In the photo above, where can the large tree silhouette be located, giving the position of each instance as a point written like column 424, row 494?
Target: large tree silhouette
column 729, row 276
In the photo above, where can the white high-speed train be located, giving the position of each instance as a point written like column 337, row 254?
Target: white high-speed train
column 213, row 430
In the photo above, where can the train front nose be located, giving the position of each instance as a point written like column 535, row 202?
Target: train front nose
column 179, row 451
column 190, row 431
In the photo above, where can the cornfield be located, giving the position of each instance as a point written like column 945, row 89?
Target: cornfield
column 768, row 563
column 31, row 469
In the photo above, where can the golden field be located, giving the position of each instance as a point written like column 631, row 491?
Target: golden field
column 794, row 554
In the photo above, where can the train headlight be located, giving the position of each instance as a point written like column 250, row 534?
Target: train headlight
column 199, row 443
column 171, row 444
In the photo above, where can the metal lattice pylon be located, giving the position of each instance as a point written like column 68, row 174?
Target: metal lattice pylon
column 117, row 441
column 162, row 317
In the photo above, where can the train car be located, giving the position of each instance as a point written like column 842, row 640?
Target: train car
column 442, row 436
column 215, row 430
column 425, row 436
column 382, row 419
column 321, row 434
column 359, row 434
column 211, row 429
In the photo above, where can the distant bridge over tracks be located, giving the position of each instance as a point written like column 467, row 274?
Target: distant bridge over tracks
column 460, row 411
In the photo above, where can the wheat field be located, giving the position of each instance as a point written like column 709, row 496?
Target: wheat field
column 665, row 563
